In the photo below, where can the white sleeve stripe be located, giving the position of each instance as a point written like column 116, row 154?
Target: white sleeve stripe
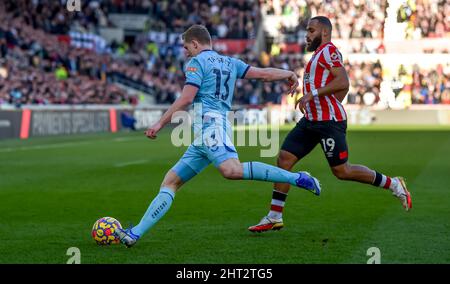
column 383, row 180
column 326, row 54
column 318, row 109
column 277, row 202
column 330, row 106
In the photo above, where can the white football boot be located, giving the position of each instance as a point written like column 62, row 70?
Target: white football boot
column 267, row 224
column 402, row 193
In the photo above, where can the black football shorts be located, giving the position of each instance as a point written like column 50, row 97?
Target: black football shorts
column 331, row 135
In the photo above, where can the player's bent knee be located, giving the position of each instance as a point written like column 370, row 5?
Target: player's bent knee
column 341, row 172
column 231, row 173
column 172, row 180
column 284, row 164
column 231, row 169
column 340, row 175
column 286, row 160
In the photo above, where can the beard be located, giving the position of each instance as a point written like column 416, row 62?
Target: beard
column 315, row 43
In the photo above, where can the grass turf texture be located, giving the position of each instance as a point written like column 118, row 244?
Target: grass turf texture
column 52, row 190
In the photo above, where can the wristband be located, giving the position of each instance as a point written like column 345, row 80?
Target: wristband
column 315, row 92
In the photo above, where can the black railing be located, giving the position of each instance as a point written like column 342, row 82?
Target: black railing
column 138, row 85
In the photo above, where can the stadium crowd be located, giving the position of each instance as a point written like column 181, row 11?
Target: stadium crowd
column 425, row 18
column 28, row 37
column 428, row 86
column 53, row 17
column 350, row 18
column 224, row 19
column 418, row 85
column 236, row 19
column 39, row 69
column 36, row 67
column 365, row 78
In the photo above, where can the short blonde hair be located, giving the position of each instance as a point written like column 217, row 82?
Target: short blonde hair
column 197, row 32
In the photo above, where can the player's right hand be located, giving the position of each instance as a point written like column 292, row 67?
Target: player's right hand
column 303, row 101
column 151, row 132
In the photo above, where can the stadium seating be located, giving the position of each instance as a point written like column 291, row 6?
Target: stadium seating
column 52, row 56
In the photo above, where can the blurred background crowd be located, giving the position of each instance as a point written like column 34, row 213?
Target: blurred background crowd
column 39, row 63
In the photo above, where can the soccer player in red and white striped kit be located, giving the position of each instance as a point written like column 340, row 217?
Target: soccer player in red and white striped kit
column 325, row 84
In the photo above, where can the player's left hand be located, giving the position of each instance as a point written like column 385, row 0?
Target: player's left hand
column 151, row 132
column 293, row 84
column 303, row 101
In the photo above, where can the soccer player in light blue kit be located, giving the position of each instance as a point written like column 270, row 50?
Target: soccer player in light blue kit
column 210, row 82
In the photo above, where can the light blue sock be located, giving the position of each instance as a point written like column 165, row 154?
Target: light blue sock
column 265, row 172
column 159, row 206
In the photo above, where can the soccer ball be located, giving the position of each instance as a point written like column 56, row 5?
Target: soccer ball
column 103, row 231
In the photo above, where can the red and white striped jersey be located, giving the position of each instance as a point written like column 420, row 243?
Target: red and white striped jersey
column 317, row 75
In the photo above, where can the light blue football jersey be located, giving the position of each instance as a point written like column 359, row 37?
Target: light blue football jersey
column 215, row 75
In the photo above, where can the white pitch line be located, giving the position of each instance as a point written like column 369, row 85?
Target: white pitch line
column 138, row 162
column 45, row 146
column 63, row 145
column 124, row 139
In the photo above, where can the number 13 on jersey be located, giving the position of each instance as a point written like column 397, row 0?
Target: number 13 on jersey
column 219, row 74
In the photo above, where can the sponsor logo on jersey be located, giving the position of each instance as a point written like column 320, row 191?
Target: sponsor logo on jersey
column 343, row 155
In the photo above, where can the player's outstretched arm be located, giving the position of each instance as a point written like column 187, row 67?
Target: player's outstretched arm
column 273, row 74
column 186, row 98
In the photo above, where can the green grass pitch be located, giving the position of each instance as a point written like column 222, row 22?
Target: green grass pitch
column 53, row 189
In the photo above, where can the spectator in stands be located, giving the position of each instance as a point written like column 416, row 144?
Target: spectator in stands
column 270, row 95
column 41, row 70
column 350, row 19
column 429, row 18
column 430, row 86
